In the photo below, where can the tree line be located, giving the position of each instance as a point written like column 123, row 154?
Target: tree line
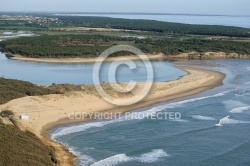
column 154, row 26
column 93, row 45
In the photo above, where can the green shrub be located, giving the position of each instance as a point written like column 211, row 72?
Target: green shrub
column 19, row 148
column 12, row 89
column 6, row 113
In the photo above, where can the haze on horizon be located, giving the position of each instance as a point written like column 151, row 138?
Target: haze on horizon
column 230, row 7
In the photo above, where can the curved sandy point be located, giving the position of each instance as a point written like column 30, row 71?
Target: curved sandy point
column 50, row 111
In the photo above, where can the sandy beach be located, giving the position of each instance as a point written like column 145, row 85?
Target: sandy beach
column 79, row 60
column 50, row 111
column 182, row 56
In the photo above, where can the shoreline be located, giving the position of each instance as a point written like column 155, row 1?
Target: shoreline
column 144, row 104
column 65, row 122
column 197, row 81
column 79, row 60
column 160, row 56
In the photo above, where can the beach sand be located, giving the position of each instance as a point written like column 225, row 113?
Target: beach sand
column 50, row 111
column 160, row 56
column 80, row 60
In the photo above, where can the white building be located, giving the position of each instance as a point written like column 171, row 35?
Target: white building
column 24, row 117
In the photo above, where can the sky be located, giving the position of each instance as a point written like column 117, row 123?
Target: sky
column 232, row 7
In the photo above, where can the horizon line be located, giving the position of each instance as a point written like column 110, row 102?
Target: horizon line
column 127, row 13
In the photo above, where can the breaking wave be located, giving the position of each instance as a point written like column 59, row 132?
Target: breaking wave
column 180, row 120
column 150, row 157
column 200, row 117
column 232, row 104
column 227, row 120
column 83, row 127
column 240, row 110
column 113, row 160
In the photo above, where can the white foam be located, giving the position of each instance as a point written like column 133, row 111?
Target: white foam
column 244, row 90
column 83, row 127
column 180, row 103
column 200, row 117
column 84, row 160
column 113, row 160
column 150, row 157
column 227, row 120
column 80, row 128
column 231, row 104
column 239, row 110
column 237, row 95
column 180, row 120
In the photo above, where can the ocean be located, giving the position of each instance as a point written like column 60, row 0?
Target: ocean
column 213, row 129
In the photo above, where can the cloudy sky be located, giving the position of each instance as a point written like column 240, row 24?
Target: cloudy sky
column 235, row 7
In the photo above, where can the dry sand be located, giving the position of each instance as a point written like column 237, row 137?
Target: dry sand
column 80, row 60
column 50, row 111
column 183, row 56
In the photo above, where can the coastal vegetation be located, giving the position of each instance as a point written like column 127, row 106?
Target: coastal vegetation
column 45, row 22
column 19, row 147
column 12, row 89
column 89, row 46
column 154, row 26
column 23, row 148
column 61, row 36
column 6, row 113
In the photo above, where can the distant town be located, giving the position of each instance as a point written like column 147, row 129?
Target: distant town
column 29, row 19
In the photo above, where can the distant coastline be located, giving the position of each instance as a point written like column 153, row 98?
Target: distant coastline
column 146, row 13
column 223, row 19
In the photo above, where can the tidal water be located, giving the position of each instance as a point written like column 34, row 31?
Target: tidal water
column 48, row 73
column 213, row 129
column 227, row 20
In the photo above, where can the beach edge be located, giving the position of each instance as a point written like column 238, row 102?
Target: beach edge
column 61, row 149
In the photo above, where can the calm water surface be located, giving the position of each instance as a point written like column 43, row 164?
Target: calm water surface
column 48, row 73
